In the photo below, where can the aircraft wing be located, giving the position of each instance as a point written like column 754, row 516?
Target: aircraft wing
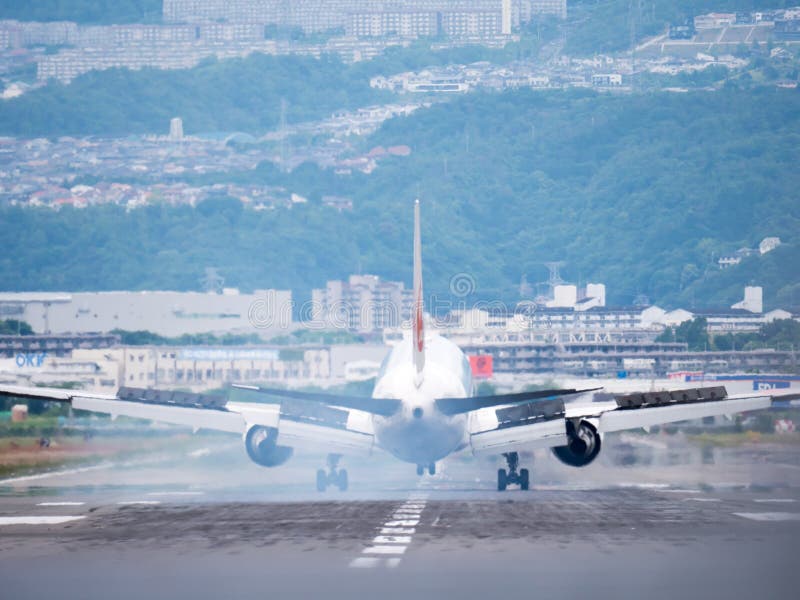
column 544, row 423
column 301, row 424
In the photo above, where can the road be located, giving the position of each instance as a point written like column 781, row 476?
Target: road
column 670, row 523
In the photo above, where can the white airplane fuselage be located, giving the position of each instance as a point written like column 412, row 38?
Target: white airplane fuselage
column 418, row 433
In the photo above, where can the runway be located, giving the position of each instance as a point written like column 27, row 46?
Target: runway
column 180, row 527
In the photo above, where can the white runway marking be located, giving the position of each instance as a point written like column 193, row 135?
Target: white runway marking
column 384, row 550
column 365, row 562
column 395, row 530
column 392, row 539
column 701, row 499
column 645, row 486
column 50, row 520
column 54, row 474
column 770, row 516
column 176, row 493
column 132, row 502
column 775, row 500
column 395, row 535
column 61, row 503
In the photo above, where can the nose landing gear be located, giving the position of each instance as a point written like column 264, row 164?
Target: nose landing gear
column 512, row 477
column 332, row 477
column 431, row 469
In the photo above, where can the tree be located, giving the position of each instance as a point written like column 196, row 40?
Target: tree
column 15, row 327
column 693, row 333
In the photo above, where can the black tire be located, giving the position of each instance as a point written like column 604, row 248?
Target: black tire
column 322, row 480
column 502, row 480
column 524, row 479
column 420, row 470
column 341, row 480
column 432, row 469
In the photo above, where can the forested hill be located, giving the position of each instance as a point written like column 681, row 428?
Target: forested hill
column 83, row 11
column 641, row 192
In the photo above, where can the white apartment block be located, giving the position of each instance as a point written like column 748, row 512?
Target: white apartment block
column 322, row 15
column 467, row 23
column 363, row 303
column 402, row 24
column 530, row 8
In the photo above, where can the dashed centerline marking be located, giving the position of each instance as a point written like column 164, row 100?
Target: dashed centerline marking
column 395, row 536
column 392, row 539
column 770, row 516
column 384, row 550
column 133, row 502
column 61, row 503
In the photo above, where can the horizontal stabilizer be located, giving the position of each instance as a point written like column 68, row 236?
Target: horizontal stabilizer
column 457, row 406
column 376, row 406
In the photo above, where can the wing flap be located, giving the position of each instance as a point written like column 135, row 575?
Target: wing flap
column 378, row 406
column 197, row 418
column 529, row 437
column 302, row 423
column 532, row 425
column 322, row 439
column 458, row 406
column 617, row 420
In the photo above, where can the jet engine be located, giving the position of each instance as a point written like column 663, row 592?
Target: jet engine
column 262, row 447
column 583, row 445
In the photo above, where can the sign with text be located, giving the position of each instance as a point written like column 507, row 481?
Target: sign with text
column 482, row 366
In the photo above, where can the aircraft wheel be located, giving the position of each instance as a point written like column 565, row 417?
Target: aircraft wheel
column 432, row 469
column 342, row 480
column 322, row 480
column 502, row 481
column 420, row 470
column 524, row 479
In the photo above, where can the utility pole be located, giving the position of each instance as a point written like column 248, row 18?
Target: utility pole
column 283, row 134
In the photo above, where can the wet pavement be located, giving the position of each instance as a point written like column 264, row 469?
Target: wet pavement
column 660, row 521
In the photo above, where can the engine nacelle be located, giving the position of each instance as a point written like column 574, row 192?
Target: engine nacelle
column 583, row 445
column 262, row 447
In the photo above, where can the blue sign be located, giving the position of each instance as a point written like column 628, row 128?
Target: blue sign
column 31, row 359
column 765, row 384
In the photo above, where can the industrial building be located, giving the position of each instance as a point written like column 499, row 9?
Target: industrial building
column 195, row 368
column 164, row 313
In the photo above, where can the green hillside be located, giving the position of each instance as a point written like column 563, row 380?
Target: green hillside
column 231, row 95
column 96, row 12
column 595, row 26
column 641, row 192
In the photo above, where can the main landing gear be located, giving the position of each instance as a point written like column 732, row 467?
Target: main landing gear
column 512, row 477
column 332, row 477
column 431, row 469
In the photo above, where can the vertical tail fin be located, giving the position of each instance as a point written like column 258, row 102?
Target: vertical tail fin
column 418, row 325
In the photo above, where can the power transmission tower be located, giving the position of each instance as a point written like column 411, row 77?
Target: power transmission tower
column 555, row 277
column 213, row 282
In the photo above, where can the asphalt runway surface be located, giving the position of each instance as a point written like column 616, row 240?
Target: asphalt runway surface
column 652, row 519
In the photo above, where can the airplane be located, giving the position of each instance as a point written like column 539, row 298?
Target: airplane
column 421, row 411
